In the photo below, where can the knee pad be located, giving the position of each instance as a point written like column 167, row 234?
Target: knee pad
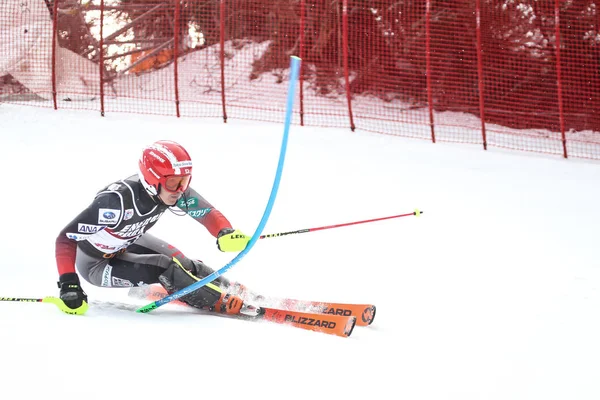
column 176, row 278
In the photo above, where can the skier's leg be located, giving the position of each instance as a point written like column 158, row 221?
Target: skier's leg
column 90, row 268
column 149, row 244
column 180, row 272
column 124, row 270
column 152, row 260
column 212, row 297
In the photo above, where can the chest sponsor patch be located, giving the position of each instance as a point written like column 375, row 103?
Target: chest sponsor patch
column 128, row 214
column 86, row 228
column 108, row 216
column 137, row 229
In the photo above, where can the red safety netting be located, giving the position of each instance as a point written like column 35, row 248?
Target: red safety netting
column 518, row 74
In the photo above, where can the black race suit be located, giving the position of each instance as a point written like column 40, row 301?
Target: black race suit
column 109, row 245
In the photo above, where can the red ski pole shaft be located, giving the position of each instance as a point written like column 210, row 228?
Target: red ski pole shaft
column 415, row 213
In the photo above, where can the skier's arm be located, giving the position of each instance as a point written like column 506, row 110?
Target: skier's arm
column 88, row 222
column 203, row 212
column 228, row 239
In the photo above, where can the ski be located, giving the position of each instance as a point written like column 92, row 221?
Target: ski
column 364, row 313
column 338, row 325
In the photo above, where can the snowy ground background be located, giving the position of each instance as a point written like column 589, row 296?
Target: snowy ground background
column 492, row 294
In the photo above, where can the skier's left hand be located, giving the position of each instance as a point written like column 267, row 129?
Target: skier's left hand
column 232, row 240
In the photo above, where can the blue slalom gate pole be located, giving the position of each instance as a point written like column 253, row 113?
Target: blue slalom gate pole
column 294, row 72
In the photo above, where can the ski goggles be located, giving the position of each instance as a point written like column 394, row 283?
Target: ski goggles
column 177, row 183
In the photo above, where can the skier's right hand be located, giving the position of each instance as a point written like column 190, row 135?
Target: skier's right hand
column 230, row 239
column 71, row 292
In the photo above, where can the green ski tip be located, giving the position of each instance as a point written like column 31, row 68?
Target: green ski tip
column 147, row 308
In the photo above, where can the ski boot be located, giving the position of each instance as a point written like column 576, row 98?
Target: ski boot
column 234, row 305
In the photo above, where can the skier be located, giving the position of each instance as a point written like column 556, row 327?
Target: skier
column 109, row 245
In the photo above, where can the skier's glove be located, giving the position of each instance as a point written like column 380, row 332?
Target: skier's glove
column 71, row 292
column 232, row 240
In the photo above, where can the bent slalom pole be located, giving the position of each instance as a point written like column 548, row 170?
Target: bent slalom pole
column 416, row 213
column 52, row 300
column 294, row 71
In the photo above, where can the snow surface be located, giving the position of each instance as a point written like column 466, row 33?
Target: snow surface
column 492, row 294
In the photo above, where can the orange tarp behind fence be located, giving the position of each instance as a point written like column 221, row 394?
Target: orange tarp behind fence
column 151, row 63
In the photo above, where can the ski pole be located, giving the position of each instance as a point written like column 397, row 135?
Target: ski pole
column 52, row 300
column 415, row 213
column 294, row 72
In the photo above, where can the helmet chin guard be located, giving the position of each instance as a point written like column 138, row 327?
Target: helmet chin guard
column 160, row 160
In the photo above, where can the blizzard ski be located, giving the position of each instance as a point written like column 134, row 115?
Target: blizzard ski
column 339, row 325
column 364, row 313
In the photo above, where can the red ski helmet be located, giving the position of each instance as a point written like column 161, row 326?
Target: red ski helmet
column 165, row 164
